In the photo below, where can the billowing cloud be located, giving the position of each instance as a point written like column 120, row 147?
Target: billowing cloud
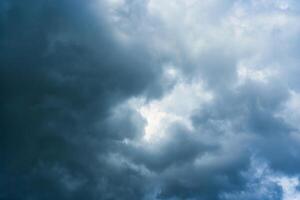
column 156, row 99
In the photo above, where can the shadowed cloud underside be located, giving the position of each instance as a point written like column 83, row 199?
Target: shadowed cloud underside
column 149, row 100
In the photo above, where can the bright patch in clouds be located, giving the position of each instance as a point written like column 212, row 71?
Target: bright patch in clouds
column 291, row 110
column 176, row 106
column 250, row 73
column 289, row 187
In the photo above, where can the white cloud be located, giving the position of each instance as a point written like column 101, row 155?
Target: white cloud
column 263, row 183
column 256, row 35
column 175, row 107
column 291, row 110
column 251, row 73
column 289, row 186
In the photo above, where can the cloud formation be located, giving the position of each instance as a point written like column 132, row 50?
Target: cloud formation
column 156, row 99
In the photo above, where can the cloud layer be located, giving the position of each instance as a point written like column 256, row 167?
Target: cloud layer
column 156, row 99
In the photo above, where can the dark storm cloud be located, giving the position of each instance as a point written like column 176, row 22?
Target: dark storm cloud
column 168, row 154
column 258, row 186
column 67, row 129
column 252, row 111
column 61, row 73
column 210, row 162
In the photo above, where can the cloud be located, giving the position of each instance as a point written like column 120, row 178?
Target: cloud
column 62, row 72
column 127, row 99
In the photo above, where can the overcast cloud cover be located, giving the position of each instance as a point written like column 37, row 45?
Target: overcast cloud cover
column 149, row 99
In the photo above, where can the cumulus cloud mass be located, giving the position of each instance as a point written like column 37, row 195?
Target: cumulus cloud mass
column 149, row 100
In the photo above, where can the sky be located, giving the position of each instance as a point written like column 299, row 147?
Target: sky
column 149, row 100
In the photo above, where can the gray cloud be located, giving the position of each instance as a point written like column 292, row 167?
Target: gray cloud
column 61, row 73
column 82, row 82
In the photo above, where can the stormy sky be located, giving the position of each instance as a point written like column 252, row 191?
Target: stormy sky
column 149, row 100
